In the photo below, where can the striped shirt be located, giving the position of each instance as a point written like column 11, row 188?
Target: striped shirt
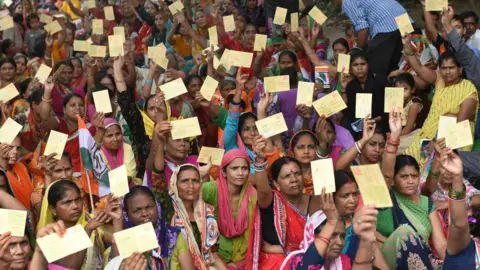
column 376, row 15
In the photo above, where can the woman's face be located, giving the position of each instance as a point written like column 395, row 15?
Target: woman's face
column 19, row 9
column 227, row 88
column 359, row 68
column 21, row 64
column 150, row 8
column 338, row 48
column 189, row 184
column 227, row 6
column 74, row 106
column 286, row 61
column 15, row 148
column 200, row 19
column 63, row 169
column 77, row 69
column 113, row 138
column 159, row 21
column 346, row 199
column 451, row 73
column 290, row 180
column 406, row 180
column 304, row 150
column 194, row 86
column 303, row 23
column 237, row 172
column 337, row 241
column 107, row 82
column 69, row 208
column 69, row 36
column 249, row 34
column 152, row 109
column 66, row 75
column 373, row 149
column 240, row 23
column 141, row 209
column 178, row 149
column 407, row 91
column 18, row 253
column 251, row 4
column 7, row 72
column 249, row 131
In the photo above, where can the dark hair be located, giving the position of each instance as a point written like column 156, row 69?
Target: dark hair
column 187, row 168
column 58, row 189
column 468, row 14
column 292, row 74
column 190, row 78
column 381, row 131
column 407, row 78
column 278, row 165
column 460, row 19
column 355, row 54
column 341, row 178
column 66, row 155
column 23, row 86
column 342, row 42
column 247, row 19
column 36, row 96
column 31, row 17
column 203, row 71
column 405, row 160
column 39, row 47
column 68, row 97
column 6, row 43
column 145, row 105
column 135, row 191
column 8, row 60
column 243, row 117
column 289, row 53
column 20, row 55
column 302, row 133
column 63, row 63
column 448, row 55
column 329, row 121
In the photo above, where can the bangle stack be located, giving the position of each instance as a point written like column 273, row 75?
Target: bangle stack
column 393, row 143
column 457, row 196
column 46, row 100
column 359, row 147
column 324, row 240
column 235, row 103
column 260, row 167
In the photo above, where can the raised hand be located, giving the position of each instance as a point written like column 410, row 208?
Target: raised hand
column 241, row 79
column 4, row 243
column 304, row 111
column 118, row 63
column 395, row 123
column 48, row 163
column 100, row 219
column 98, row 120
column 315, row 30
column 364, row 223
column 56, row 227
column 259, row 144
column 328, row 207
column 49, row 40
column 199, row 59
column 199, row 99
column 451, row 162
column 369, row 126
column 136, row 261
column 447, row 16
column 266, row 99
column 205, row 169
column 4, row 150
column 321, row 131
column 114, row 208
column 162, row 129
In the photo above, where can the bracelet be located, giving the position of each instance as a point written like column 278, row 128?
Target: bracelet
column 148, row 81
column 435, row 174
column 454, row 195
column 260, row 167
column 408, row 53
column 235, row 103
column 366, row 262
column 392, row 151
column 46, row 100
column 357, row 145
column 392, row 142
column 324, row 239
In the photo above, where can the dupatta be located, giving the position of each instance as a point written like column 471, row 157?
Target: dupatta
column 119, row 156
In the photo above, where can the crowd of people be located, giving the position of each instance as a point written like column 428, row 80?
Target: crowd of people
column 256, row 208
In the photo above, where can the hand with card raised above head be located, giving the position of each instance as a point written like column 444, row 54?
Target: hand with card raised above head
column 162, row 129
column 364, row 223
column 327, row 204
column 136, row 261
column 98, row 120
column 266, row 99
column 304, row 111
column 4, row 244
column 452, row 163
column 101, row 218
column 48, row 163
column 118, row 63
column 395, row 124
column 49, row 41
column 447, row 16
column 114, row 208
column 205, row 169
column 369, row 126
column 259, row 146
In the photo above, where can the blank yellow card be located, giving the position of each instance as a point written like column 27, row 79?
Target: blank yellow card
column 43, row 73
column 305, row 93
column 229, row 23
column 216, row 155
column 280, row 16
column 80, row 45
column 173, row 89
column 90, row 4
column 225, row 60
column 6, row 23
column 8, row 92
column 240, row 59
column 343, row 64
column 459, row 135
column 102, row 101
column 97, row 51
column 9, row 131
column 317, row 15
column 260, row 42
column 185, row 128
column 154, row 51
column 208, row 88
column 329, row 104
column 109, row 15
column 394, row 99
column 277, row 83
column 404, row 24
column 119, row 31
column 322, row 175
column 53, row 27
column 212, row 34
column 161, row 60
column 56, row 144
column 176, row 7
column 97, row 27
column 46, row 19
column 436, row 5
column 115, row 45
column 444, row 125
column 372, row 185
column 74, row 240
column 294, row 22
column 363, row 105
column 271, row 125
column 140, row 239
column 118, row 180
column 13, row 221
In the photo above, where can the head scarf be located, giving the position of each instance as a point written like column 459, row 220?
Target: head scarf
column 301, row 132
column 204, row 218
column 228, row 226
column 118, row 161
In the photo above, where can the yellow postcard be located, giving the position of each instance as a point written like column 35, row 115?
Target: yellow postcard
column 322, row 175
column 139, row 239
column 404, row 24
column 229, row 23
column 115, row 45
column 280, row 16
column 436, row 5
column 13, row 221
column 6, row 23
column 305, row 93
column 240, row 59
column 185, row 128
column 277, row 83
column 216, row 62
column 43, row 73
column 212, row 34
column 372, row 185
column 216, row 155
column 90, row 4
column 317, row 15
column 294, row 22
column 459, row 135
column 53, row 27
column 8, row 92
column 56, row 144
column 102, row 101
column 46, row 19
column 119, row 31
column 97, row 51
column 260, row 42
column 173, row 89
column 394, row 99
column 363, row 105
column 81, row 46
column 8, row 3
column 118, row 180
column 301, row 5
column 161, row 60
column 343, row 64
column 9, row 131
column 74, row 240
column 176, row 7
column 208, row 88
column 444, row 125
column 225, row 59
column 97, row 26
column 271, row 125
column 329, row 104
column 109, row 15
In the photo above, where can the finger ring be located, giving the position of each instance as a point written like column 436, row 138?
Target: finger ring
column 359, row 221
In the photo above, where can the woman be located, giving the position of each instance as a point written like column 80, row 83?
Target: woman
column 234, row 201
column 8, row 73
column 63, row 87
column 21, row 65
column 63, row 202
column 194, row 218
column 79, row 78
column 454, row 96
column 139, row 207
column 303, row 147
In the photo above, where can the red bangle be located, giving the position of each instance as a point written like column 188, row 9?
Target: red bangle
column 393, row 151
column 392, row 142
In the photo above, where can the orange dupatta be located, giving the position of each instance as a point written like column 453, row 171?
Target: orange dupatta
column 20, row 183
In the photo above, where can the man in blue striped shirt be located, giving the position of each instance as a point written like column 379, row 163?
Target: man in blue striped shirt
column 376, row 19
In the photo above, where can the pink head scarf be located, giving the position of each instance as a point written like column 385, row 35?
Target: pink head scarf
column 118, row 161
column 227, row 225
